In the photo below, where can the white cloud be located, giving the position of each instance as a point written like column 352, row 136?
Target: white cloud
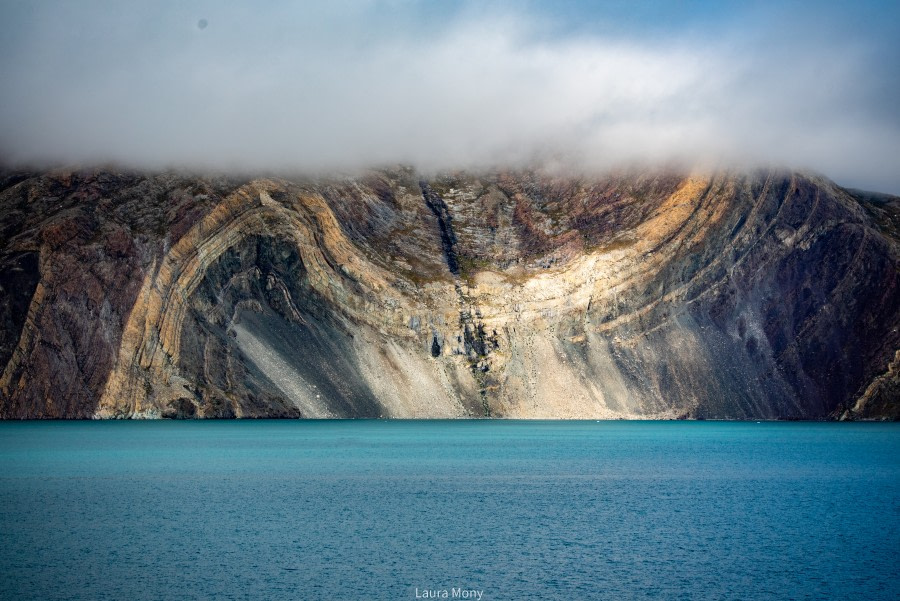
column 343, row 86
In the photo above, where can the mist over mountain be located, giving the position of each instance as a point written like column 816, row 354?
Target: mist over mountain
column 443, row 86
column 605, row 210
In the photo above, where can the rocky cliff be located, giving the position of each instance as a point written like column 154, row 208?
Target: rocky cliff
column 660, row 295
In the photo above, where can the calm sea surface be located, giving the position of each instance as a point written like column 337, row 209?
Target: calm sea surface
column 394, row 509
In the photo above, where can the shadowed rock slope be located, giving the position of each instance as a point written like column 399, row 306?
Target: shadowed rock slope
column 640, row 295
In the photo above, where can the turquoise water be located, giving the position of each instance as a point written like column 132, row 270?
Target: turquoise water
column 389, row 510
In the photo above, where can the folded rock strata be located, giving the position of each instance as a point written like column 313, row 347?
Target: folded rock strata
column 768, row 294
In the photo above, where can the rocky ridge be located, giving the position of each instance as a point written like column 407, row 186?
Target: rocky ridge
column 768, row 294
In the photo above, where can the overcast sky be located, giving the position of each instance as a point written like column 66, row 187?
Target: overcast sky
column 341, row 84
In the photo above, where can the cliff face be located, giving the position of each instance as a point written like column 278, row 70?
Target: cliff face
column 661, row 295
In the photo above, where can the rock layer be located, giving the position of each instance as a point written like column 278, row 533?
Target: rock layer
column 640, row 295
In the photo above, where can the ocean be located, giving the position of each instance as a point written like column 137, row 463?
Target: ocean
column 478, row 509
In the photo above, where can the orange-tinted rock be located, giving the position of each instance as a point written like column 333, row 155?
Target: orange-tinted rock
column 760, row 295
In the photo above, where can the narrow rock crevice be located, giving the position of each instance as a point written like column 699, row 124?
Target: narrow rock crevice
column 437, row 206
column 473, row 341
column 476, row 346
column 435, row 347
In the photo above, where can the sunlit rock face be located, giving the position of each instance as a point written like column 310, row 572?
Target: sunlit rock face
column 393, row 294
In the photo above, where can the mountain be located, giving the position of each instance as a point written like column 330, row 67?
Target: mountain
column 763, row 294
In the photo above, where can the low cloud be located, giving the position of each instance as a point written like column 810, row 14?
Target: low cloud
column 205, row 86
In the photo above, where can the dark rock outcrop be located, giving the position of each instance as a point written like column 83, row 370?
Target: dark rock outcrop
column 757, row 295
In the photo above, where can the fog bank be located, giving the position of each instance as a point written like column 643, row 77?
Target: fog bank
column 342, row 85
